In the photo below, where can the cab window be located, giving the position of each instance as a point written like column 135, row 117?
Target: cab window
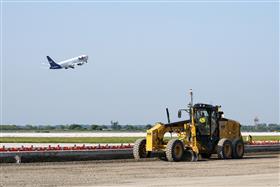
column 202, row 120
column 214, row 124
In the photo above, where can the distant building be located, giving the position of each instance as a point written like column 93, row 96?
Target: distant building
column 256, row 121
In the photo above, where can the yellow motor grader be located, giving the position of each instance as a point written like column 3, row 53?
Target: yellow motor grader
column 204, row 134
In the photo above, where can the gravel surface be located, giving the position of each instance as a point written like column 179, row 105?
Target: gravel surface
column 253, row 170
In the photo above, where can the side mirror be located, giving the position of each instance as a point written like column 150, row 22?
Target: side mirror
column 179, row 113
column 220, row 114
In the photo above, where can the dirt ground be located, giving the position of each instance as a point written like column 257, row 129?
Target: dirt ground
column 258, row 170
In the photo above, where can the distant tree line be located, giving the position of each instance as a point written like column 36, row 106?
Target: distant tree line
column 115, row 126
column 263, row 127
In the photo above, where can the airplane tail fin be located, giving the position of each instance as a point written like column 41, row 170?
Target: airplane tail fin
column 52, row 63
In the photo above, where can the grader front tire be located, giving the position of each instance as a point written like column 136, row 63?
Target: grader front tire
column 174, row 150
column 139, row 149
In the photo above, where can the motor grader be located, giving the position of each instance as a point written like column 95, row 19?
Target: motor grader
column 206, row 132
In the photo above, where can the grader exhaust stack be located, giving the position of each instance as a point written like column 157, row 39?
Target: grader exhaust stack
column 191, row 94
column 167, row 114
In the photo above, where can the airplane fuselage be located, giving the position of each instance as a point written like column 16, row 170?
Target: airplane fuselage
column 70, row 63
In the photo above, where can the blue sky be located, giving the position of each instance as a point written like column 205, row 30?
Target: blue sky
column 143, row 57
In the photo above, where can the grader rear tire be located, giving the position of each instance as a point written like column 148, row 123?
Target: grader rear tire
column 139, row 149
column 224, row 149
column 174, row 150
column 237, row 149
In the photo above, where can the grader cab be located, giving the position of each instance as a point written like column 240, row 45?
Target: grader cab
column 205, row 133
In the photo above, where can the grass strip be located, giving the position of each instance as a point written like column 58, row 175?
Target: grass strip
column 263, row 138
column 68, row 139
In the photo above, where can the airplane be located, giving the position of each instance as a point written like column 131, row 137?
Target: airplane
column 70, row 63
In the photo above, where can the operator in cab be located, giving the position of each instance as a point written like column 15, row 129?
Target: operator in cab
column 202, row 119
column 202, row 122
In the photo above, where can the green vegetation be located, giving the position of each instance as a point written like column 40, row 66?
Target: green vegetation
column 115, row 126
column 262, row 127
column 98, row 139
column 263, row 138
